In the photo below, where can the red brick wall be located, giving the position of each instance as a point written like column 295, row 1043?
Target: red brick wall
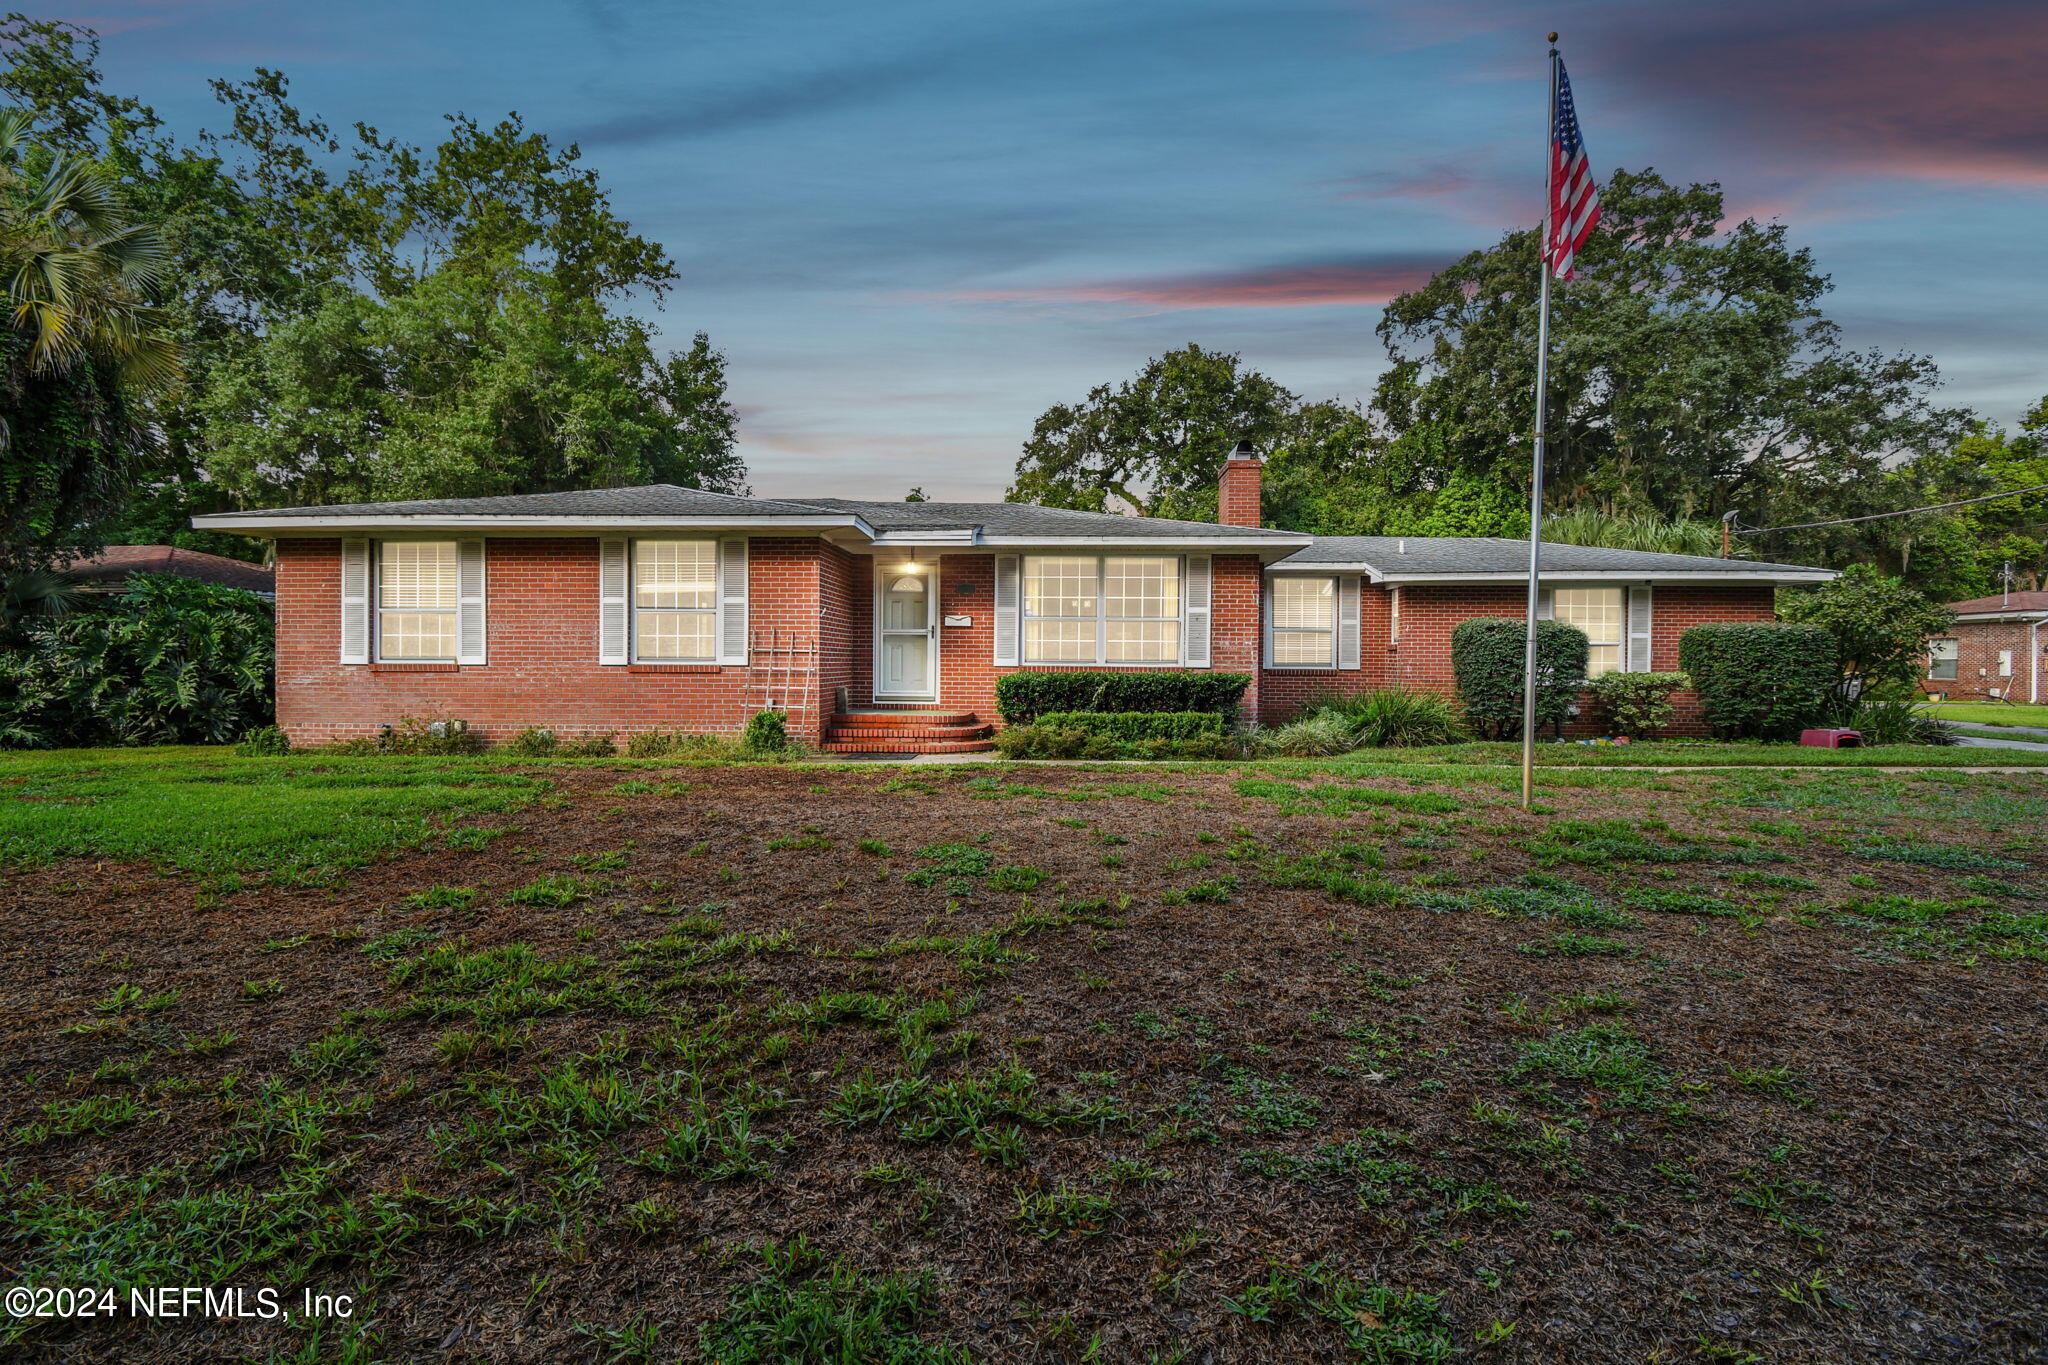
column 1421, row 661
column 542, row 623
column 1237, row 493
column 840, row 579
column 967, row 673
column 1977, row 646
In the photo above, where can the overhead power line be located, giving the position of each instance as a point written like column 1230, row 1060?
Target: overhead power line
column 1880, row 516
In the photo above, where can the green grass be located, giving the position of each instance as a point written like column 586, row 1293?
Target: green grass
column 1678, row 754
column 800, row 1308
column 1989, row 713
column 205, row 811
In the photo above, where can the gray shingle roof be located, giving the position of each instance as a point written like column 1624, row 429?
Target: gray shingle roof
column 662, row 500
column 1028, row 519
column 1400, row 556
column 648, row 500
column 1015, row 521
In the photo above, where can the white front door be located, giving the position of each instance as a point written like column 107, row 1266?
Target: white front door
column 906, row 633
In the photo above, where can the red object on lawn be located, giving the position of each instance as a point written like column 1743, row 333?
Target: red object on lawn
column 1831, row 739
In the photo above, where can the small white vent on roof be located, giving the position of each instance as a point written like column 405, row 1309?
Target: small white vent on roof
column 1404, row 547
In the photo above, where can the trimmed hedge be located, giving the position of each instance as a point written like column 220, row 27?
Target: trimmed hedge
column 1024, row 697
column 1487, row 655
column 1761, row 679
column 1053, row 741
column 1131, row 725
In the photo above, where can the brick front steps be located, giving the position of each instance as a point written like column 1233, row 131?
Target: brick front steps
column 907, row 732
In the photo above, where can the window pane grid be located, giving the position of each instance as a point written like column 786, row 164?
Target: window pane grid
column 675, row 600
column 1598, row 612
column 1304, row 612
column 1108, row 609
column 416, row 600
column 675, row 574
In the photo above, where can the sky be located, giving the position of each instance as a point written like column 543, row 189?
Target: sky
column 912, row 226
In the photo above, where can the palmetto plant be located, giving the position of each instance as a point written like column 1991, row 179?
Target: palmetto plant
column 170, row 662
column 1633, row 531
column 78, row 270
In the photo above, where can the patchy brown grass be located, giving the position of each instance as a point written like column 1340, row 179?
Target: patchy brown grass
column 1154, row 1065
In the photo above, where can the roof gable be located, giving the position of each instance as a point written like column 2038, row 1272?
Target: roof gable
column 1998, row 602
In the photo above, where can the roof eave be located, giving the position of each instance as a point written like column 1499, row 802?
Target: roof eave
column 1259, row 544
column 1651, row 576
column 258, row 525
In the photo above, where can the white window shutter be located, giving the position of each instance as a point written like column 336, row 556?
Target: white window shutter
column 732, row 600
column 1347, row 621
column 1546, row 605
column 469, row 602
column 1639, row 629
column 1008, row 615
column 612, row 632
column 355, row 601
column 1195, row 595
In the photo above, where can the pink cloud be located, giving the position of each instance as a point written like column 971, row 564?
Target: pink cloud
column 1949, row 92
column 1355, row 281
column 1828, row 89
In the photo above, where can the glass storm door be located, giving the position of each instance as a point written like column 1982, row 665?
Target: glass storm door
column 906, row 652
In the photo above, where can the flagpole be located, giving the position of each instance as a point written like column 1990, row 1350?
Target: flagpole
column 1542, row 416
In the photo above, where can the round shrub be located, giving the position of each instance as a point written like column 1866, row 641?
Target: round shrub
column 1636, row 704
column 1487, row 658
column 767, row 732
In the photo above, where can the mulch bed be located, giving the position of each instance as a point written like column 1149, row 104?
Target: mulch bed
column 1912, row 1131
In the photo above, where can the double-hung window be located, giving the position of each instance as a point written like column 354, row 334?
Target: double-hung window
column 1102, row 609
column 675, row 601
column 1941, row 660
column 1600, row 613
column 1304, row 619
column 417, row 601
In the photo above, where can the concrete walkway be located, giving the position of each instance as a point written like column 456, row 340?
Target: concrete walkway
column 1977, row 739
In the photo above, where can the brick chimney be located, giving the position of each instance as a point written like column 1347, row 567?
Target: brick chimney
column 1237, row 495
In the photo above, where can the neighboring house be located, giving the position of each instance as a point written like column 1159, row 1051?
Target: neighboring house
column 1994, row 651
column 665, row 608
column 109, row 570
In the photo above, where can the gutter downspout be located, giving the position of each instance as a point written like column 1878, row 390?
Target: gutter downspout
column 2034, row 662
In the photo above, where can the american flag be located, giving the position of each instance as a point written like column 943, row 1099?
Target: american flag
column 1574, row 197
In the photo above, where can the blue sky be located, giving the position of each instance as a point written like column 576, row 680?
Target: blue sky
column 912, row 226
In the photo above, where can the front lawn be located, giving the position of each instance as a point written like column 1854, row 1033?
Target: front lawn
column 1701, row 753
column 1351, row 1060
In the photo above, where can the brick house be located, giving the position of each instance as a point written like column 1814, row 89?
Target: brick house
column 884, row 625
column 1995, row 650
